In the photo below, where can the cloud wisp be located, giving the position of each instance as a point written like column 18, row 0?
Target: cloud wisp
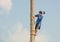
column 6, row 4
column 22, row 35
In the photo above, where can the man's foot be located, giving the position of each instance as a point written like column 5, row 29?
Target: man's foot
column 35, row 34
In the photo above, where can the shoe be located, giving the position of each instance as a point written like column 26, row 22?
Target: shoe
column 35, row 34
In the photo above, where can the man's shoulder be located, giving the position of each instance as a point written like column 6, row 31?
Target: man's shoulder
column 42, row 16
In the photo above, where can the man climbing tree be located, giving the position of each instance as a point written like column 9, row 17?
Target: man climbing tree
column 38, row 21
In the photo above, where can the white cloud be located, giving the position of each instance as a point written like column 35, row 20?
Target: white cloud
column 22, row 35
column 6, row 4
column 42, row 38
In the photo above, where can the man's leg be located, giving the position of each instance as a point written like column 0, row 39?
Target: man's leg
column 36, row 29
column 39, row 26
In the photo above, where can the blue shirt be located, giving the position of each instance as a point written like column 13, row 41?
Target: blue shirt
column 39, row 18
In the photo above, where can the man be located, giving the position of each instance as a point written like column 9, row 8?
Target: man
column 38, row 21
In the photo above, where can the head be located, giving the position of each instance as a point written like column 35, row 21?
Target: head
column 40, row 12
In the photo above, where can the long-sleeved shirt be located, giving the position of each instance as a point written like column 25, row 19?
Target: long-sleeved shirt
column 39, row 18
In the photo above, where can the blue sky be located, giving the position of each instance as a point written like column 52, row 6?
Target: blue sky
column 20, row 15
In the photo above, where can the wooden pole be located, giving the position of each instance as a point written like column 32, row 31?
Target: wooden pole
column 32, row 19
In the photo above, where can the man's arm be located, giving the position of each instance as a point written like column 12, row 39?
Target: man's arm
column 36, row 15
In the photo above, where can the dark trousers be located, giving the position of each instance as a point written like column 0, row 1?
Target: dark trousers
column 37, row 26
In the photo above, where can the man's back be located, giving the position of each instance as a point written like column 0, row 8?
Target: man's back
column 39, row 18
